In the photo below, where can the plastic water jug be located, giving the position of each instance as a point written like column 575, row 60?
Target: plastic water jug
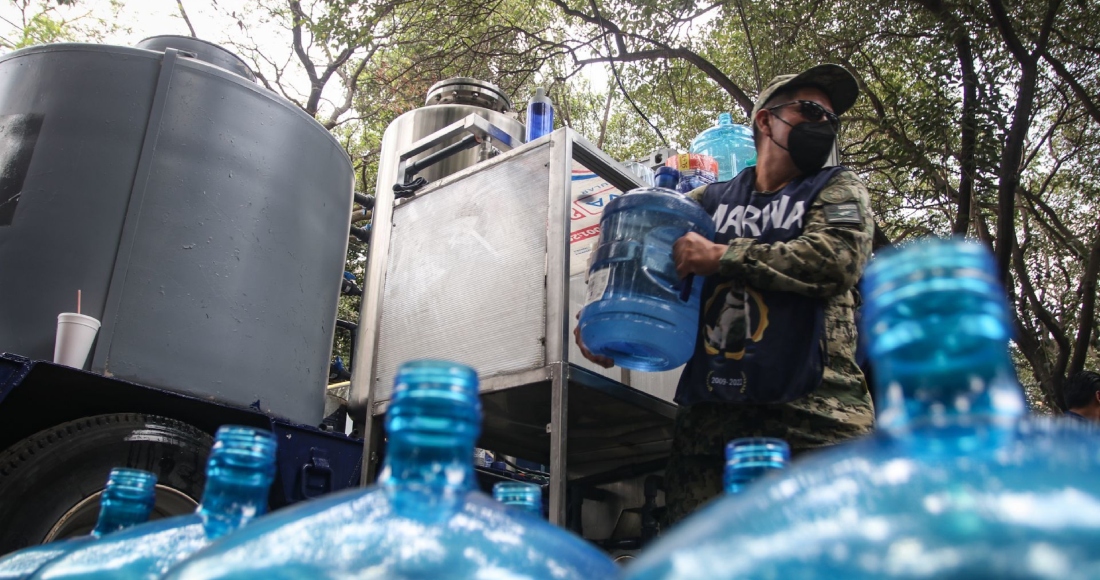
column 638, row 311
column 751, row 458
column 730, row 145
column 957, row 482
column 238, row 477
column 425, row 518
column 540, row 115
column 126, row 501
column 520, row 494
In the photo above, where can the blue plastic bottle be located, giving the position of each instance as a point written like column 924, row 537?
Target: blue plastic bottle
column 520, row 494
column 638, row 311
column 730, row 145
column 238, row 475
column 126, row 501
column 956, row 483
column 750, row 458
column 425, row 517
column 540, row 115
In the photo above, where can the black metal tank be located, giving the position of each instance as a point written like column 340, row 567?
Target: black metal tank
column 203, row 217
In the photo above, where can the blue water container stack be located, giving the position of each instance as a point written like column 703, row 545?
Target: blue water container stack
column 425, row 518
column 732, row 146
column 956, row 483
column 638, row 311
column 521, row 495
column 126, row 501
column 238, row 477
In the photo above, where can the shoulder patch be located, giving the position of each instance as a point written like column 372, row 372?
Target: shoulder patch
column 843, row 213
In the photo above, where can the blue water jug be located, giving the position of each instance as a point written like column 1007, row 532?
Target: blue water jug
column 638, row 311
column 126, row 501
column 750, row 458
column 732, row 146
column 956, row 483
column 520, row 494
column 425, row 518
column 238, row 477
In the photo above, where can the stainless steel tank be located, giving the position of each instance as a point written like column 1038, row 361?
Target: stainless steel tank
column 203, row 217
column 447, row 102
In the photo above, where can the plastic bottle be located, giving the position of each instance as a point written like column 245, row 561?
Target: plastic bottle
column 731, row 146
column 643, row 173
column 956, row 483
column 750, row 458
column 238, row 477
column 638, row 311
column 424, row 518
column 540, row 115
column 126, row 501
column 520, row 494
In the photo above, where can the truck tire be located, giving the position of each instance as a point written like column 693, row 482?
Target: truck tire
column 47, row 477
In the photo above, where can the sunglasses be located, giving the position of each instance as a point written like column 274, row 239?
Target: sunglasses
column 812, row 112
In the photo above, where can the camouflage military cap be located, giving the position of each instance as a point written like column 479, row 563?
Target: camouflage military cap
column 834, row 79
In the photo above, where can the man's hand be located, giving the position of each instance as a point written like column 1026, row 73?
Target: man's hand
column 695, row 254
column 603, row 361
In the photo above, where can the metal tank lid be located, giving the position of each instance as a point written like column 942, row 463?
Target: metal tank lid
column 203, row 50
column 469, row 91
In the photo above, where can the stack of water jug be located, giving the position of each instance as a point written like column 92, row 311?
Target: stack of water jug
column 956, row 483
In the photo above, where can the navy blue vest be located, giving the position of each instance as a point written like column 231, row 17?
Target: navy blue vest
column 756, row 346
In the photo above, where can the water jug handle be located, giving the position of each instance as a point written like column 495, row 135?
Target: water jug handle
column 685, row 287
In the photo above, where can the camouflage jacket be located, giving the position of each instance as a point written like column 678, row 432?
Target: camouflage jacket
column 825, row 261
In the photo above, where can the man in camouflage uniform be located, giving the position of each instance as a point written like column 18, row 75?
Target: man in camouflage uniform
column 818, row 265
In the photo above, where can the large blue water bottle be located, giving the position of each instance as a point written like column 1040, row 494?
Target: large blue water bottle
column 126, row 501
column 540, row 115
column 238, row 477
column 956, row 483
column 523, row 495
column 638, row 311
column 424, row 519
column 732, row 146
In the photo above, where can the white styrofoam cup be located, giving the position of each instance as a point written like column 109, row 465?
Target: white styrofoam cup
column 75, row 335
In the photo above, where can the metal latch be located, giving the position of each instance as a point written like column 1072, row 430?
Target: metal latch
column 315, row 477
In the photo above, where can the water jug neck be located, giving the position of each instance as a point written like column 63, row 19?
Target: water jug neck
column 434, row 467
column 433, row 422
column 750, row 458
column 938, row 328
column 523, row 495
column 127, row 500
column 238, row 477
column 725, row 119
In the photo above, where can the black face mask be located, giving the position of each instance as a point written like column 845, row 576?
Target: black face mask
column 809, row 144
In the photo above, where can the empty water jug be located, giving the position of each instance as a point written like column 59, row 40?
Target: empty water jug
column 730, row 145
column 520, row 494
column 424, row 519
column 126, row 501
column 238, row 477
column 638, row 311
column 957, row 482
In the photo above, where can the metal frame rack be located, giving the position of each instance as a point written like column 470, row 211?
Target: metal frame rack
column 476, row 268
